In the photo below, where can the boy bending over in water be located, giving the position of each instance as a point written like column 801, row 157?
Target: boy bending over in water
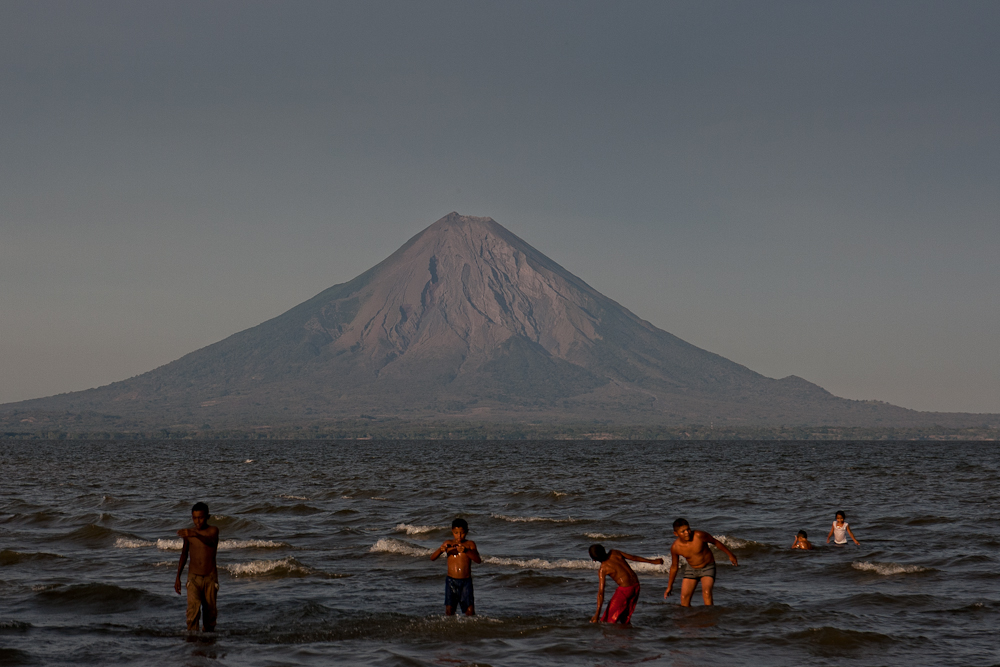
column 699, row 565
column 801, row 541
column 202, row 542
column 462, row 553
column 627, row 594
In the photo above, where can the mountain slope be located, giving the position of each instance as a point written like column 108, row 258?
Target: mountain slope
column 465, row 320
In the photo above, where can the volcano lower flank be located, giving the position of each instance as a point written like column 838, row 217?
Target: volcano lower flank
column 464, row 321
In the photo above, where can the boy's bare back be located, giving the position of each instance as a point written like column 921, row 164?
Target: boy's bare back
column 618, row 569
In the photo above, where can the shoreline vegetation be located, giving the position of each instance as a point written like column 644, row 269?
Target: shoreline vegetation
column 388, row 428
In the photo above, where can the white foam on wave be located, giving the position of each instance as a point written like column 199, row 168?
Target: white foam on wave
column 170, row 545
column 606, row 536
column 394, row 546
column 287, row 497
column 259, row 568
column 532, row 519
column 177, row 543
column 570, row 564
column 388, row 545
column 542, row 564
column 737, row 543
column 887, row 568
column 132, row 543
column 416, row 530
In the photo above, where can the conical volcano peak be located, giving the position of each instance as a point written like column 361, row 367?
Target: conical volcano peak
column 456, row 230
column 455, row 219
column 467, row 284
column 464, row 319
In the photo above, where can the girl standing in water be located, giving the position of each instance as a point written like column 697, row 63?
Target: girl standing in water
column 840, row 530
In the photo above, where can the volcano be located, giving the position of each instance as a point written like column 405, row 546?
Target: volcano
column 465, row 321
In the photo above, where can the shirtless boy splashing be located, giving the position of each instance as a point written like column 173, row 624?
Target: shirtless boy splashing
column 700, row 566
column 627, row 594
column 202, row 542
column 462, row 553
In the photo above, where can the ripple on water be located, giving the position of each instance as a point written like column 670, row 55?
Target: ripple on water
column 889, row 569
column 298, row 508
column 14, row 656
column 94, row 598
column 828, row 640
column 10, row 557
column 338, row 627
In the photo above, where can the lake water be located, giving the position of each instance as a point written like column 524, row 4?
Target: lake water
column 324, row 552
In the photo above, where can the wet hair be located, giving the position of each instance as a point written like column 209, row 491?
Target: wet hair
column 200, row 507
column 680, row 522
column 460, row 523
column 802, row 533
column 598, row 553
column 841, row 513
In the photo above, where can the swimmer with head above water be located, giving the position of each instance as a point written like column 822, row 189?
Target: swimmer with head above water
column 840, row 530
column 462, row 553
column 802, row 541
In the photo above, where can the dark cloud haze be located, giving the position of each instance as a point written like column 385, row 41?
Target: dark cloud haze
column 807, row 188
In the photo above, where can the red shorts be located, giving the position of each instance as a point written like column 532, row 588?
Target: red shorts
column 622, row 605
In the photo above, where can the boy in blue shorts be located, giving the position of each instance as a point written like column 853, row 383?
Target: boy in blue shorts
column 462, row 553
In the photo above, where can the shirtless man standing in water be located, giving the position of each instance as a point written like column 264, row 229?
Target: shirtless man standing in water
column 202, row 542
column 627, row 594
column 462, row 553
column 700, row 566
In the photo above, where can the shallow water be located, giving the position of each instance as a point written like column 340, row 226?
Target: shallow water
column 324, row 552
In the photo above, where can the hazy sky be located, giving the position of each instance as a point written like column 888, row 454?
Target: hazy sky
column 807, row 188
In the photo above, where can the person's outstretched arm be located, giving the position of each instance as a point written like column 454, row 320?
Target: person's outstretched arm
column 722, row 547
column 829, row 535
column 180, row 566
column 673, row 573
column 600, row 595
column 640, row 559
column 208, row 534
column 852, row 536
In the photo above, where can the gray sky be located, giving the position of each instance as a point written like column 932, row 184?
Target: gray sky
column 808, row 188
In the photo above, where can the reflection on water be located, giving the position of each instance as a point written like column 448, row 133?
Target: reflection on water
column 324, row 552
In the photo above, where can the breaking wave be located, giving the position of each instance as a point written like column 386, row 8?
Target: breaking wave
column 542, row 564
column 738, row 544
column 388, row 545
column 275, row 569
column 532, row 519
column 888, row 568
column 608, row 536
column 416, row 530
column 394, row 546
column 177, row 543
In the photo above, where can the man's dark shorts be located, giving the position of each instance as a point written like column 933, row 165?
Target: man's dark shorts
column 459, row 592
column 692, row 573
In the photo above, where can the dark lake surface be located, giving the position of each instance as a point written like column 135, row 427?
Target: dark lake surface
column 325, row 544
